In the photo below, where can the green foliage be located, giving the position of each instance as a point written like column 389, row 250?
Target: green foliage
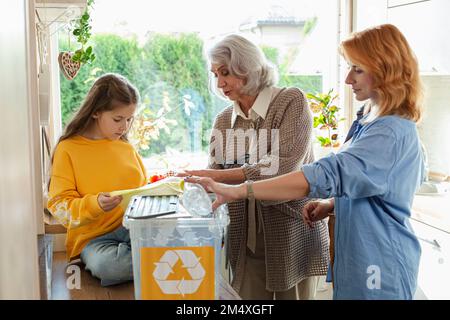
column 83, row 34
column 310, row 83
column 182, row 71
column 120, row 59
column 164, row 69
column 309, row 26
column 117, row 54
column 305, row 83
column 179, row 60
column 326, row 116
column 171, row 74
column 271, row 54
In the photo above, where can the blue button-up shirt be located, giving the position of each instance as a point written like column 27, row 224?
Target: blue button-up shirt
column 373, row 182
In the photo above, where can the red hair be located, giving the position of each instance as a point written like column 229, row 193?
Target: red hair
column 385, row 54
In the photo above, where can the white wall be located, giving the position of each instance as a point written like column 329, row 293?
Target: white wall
column 434, row 129
column 370, row 13
column 425, row 24
column 19, row 160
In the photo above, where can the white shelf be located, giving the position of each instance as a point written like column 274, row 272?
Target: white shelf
column 63, row 11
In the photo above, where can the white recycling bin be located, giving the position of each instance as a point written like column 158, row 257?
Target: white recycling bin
column 175, row 256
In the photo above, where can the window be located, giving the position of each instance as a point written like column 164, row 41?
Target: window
column 161, row 51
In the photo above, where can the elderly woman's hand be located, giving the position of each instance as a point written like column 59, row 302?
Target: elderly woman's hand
column 224, row 192
column 209, row 173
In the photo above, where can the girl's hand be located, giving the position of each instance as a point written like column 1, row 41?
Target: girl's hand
column 317, row 210
column 106, row 202
column 224, row 192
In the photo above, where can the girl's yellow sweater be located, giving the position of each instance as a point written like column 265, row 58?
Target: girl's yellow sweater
column 81, row 169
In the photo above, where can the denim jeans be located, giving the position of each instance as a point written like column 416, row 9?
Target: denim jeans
column 108, row 257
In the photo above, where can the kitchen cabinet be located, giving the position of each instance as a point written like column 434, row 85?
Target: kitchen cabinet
column 433, row 279
column 425, row 24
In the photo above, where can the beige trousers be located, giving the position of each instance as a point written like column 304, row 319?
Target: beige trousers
column 254, row 281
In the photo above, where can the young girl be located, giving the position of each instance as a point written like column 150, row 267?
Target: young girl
column 93, row 157
column 372, row 181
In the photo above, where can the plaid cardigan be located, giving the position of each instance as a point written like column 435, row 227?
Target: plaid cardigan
column 293, row 251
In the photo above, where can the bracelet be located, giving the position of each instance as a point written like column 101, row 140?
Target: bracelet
column 250, row 193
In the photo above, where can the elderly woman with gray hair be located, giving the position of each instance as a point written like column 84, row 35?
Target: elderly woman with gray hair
column 266, row 132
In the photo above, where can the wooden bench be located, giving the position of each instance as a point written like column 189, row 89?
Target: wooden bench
column 45, row 245
column 54, row 266
column 51, row 225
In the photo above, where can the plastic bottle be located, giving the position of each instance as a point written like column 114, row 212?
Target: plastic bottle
column 196, row 200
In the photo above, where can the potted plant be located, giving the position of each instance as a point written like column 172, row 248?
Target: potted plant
column 326, row 118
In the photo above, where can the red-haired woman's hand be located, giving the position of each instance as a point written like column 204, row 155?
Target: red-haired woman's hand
column 317, row 210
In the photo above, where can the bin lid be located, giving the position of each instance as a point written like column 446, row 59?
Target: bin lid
column 147, row 208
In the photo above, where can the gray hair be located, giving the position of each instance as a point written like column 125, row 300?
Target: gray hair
column 244, row 60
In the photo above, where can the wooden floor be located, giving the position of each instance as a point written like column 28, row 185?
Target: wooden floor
column 90, row 288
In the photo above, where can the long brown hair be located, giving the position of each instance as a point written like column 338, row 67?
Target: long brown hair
column 104, row 95
column 385, row 54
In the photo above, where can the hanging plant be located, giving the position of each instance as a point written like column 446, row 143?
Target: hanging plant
column 70, row 63
column 83, row 33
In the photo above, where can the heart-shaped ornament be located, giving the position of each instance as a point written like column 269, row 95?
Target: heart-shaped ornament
column 68, row 67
